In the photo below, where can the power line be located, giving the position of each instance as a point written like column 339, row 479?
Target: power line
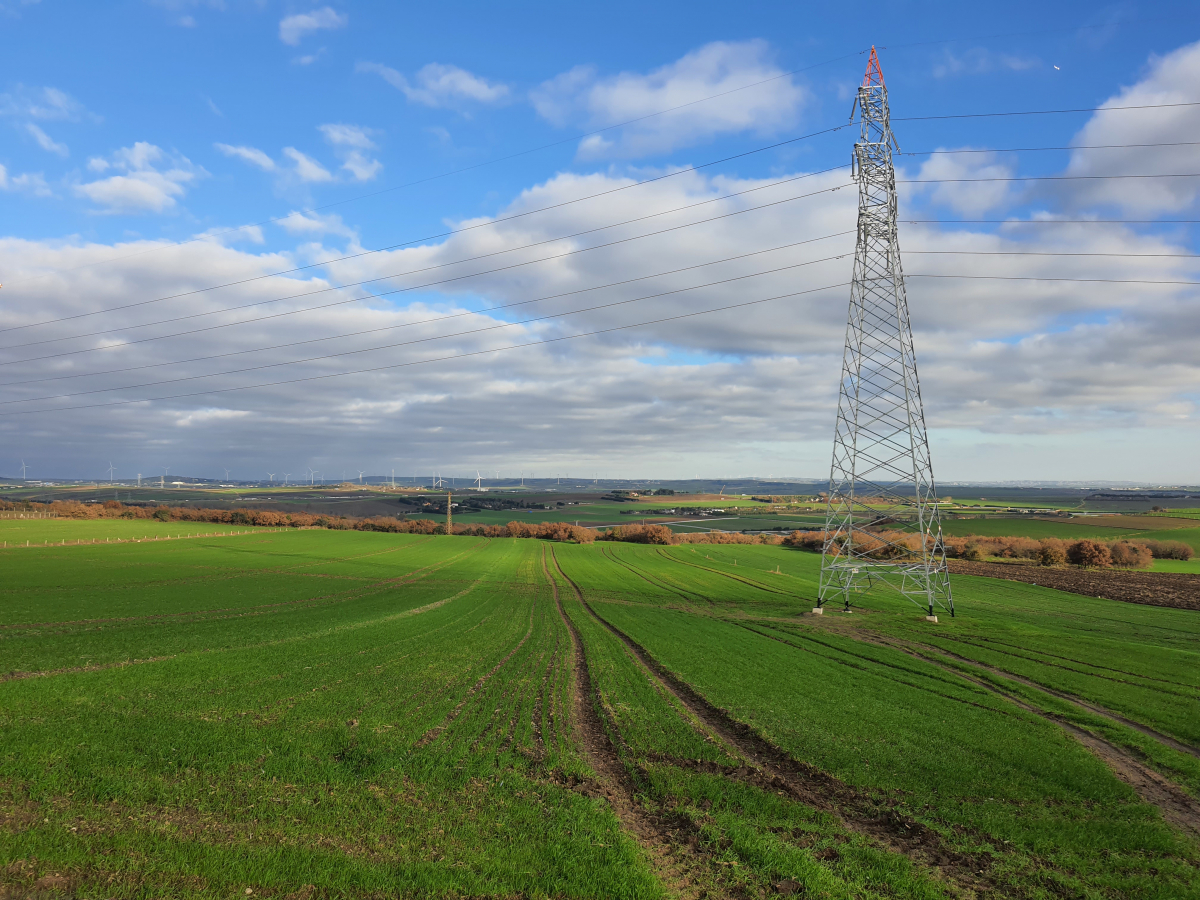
column 432, row 178
column 1055, row 253
column 404, row 289
column 1039, row 149
column 491, row 271
column 1048, row 178
column 426, row 180
column 569, row 337
column 1049, row 278
column 513, row 249
column 425, row 340
column 1050, row 221
column 1041, row 112
column 488, row 224
column 489, row 309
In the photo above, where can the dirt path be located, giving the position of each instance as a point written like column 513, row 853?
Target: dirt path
column 1176, row 806
column 1176, row 590
column 770, row 768
column 675, row 866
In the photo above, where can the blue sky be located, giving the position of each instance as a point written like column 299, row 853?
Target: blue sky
column 126, row 127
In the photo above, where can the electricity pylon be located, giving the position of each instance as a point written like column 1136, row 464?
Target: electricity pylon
column 881, row 523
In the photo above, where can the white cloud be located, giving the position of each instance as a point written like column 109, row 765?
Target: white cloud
column 965, row 196
column 440, row 85
column 581, row 97
column 1174, row 78
column 251, row 155
column 313, row 224
column 150, row 180
column 306, row 168
column 292, row 29
column 226, row 237
column 352, row 143
column 1054, row 366
column 209, row 416
column 309, row 58
column 44, row 103
column 46, row 142
column 981, row 61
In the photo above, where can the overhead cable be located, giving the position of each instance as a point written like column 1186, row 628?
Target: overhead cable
column 420, row 362
column 439, row 337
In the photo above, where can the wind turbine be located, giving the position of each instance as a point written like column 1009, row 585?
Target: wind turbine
column 162, row 481
column 110, row 472
column 23, row 468
column 478, row 481
column 226, row 474
column 360, row 475
column 271, row 475
column 285, row 478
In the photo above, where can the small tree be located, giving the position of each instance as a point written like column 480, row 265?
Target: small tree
column 1052, row 552
column 1129, row 555
column 1090, row 554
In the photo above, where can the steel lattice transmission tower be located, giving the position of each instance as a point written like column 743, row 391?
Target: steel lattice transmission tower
column 882, row 523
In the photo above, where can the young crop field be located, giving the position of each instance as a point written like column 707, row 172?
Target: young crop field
column 318, row 714
column 16, row 532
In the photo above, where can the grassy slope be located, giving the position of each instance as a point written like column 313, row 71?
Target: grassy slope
column 960, row 756
column 17, row 531
column 279, row 748
column 277, row 741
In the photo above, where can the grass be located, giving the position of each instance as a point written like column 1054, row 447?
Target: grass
column 391, row 714
column 15, row 532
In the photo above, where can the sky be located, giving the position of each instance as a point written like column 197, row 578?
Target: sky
column 607, row 240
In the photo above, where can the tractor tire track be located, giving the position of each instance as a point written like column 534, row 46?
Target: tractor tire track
column 673, row 863
column 1177, row 807
column 435, row 732
column 773, row 769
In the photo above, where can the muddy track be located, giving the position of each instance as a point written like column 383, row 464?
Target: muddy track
column 673, row 862
column 773, row 769
column 1176, row 806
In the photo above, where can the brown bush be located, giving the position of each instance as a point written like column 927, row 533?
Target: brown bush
column 1052, row 552
column 640, row 534
column 1129, row 555
column 1090, row 554
column 1170, row 550
column 973, row 552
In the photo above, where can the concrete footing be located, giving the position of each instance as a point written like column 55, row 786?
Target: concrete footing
column 931, row 618
column 817, row 611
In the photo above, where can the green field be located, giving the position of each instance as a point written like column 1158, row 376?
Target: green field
column 350, row 714
column 16, row 532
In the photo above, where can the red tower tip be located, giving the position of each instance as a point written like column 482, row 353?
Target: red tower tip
column 874, row 73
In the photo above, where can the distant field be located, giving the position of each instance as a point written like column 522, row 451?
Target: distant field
column 1067, row 529
column 1177, row 514
column 394, row 715
column 18, row 531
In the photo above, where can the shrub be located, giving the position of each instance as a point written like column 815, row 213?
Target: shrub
column 162, row 514
column 1170, row 550
column 1091, row 554
column 973, row 552
column 1129, row 555
column 1052, row 552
